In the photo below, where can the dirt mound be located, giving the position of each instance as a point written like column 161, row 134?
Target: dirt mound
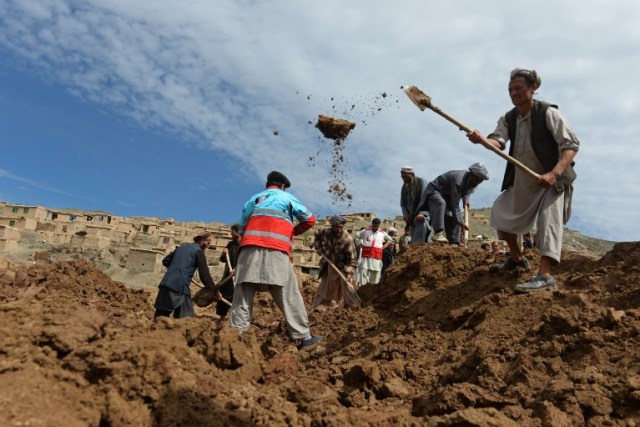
column 439, row 342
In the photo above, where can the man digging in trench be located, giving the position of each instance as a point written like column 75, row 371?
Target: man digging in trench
column 264, row 264
column 174, row 293
column 337, row 281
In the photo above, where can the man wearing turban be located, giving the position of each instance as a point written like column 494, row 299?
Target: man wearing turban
column 443, row 197
column 413, row 197
column 543, row 140
column 336, row 245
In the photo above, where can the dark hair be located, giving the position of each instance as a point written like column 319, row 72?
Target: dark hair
column 277, row 184
column 485, row 245
column 235, row 227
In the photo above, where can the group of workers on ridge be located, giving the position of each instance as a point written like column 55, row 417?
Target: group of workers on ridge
column 259, row 253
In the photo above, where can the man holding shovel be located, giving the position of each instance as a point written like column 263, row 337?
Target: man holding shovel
column 264, row 262
column 338, row 264
column 445, row 194
column 174, row 293
column 542, row 139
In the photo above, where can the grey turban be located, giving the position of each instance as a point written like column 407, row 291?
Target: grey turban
column 479, row 170
column 530, row 75
column 337, row 220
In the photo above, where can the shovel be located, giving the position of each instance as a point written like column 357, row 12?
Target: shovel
column 350, row 288
column 231, row 272
column 205, row 296
column 422, row 101
column 466, row 226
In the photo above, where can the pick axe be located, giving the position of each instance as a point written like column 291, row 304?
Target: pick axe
column 422, row 101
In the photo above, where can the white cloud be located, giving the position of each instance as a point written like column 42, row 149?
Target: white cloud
column 228, row 73
column 32, row 183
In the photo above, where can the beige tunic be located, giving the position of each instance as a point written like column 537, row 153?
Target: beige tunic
column 526, row 206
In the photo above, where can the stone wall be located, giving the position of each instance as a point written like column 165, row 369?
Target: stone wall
column 145, row 260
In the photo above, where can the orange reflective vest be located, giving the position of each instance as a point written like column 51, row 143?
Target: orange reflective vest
column 267, row 220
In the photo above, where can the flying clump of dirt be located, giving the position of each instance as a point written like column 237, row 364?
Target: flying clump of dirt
column 337, row 130
column 334, row 128
column 352, row 110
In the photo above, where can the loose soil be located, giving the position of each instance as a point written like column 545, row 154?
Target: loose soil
column 439, row 342
column 337, row 130
column 358, row 109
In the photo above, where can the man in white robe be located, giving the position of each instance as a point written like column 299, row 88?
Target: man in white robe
column 542, row 139
column 373, row 242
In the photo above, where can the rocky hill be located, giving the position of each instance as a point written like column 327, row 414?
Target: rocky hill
column 441, row 341
column 479, row 223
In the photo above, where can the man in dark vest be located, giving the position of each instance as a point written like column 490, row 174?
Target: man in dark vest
column 542, row 139
column 174, row 294
column 413, row 198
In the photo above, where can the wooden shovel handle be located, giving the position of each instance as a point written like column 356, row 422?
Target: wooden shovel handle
column 466, row 223
column 337, row 270
column 484, row 143
column 423, row 101
column 226, row 257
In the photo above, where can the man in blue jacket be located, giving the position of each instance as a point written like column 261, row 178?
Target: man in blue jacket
column 264, row 265
column 174, row 294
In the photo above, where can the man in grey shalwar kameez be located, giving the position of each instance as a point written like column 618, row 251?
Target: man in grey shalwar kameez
column 413, row 197
column 264, row 262
column 542, row 139
column 445, row 194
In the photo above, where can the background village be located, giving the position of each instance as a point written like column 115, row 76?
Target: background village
column 131, row 249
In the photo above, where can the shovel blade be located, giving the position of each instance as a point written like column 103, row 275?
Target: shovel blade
column 418, row 97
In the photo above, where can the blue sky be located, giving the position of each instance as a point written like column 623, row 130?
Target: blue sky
column 169, row 109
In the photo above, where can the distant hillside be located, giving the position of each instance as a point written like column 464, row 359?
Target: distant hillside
column 479, row 223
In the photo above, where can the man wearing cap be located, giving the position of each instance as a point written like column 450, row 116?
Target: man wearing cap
column 264, row 262
column 543, row 140
column 336, row 245
column 174, row 293
column 445, row 193
column 372, row 241
column 413, row 197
